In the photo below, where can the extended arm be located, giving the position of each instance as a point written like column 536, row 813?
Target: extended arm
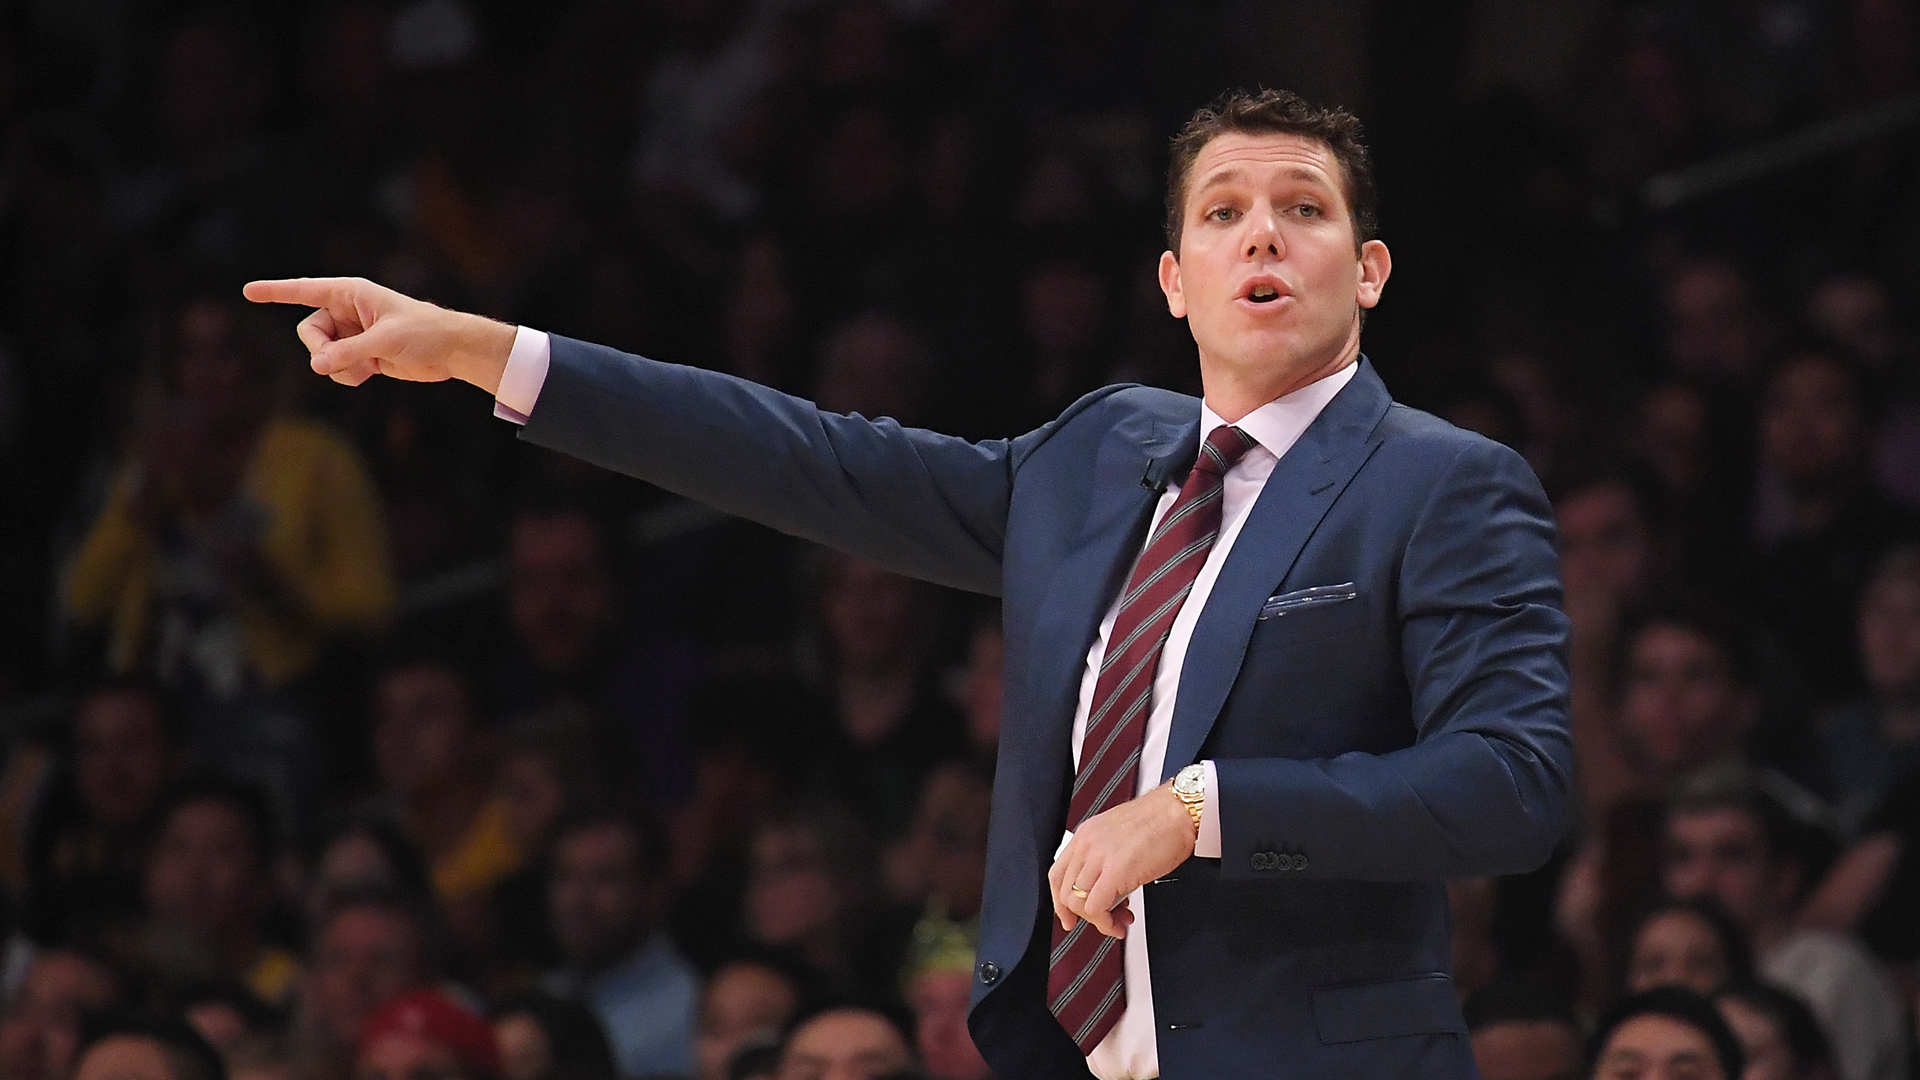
column 1485, row 789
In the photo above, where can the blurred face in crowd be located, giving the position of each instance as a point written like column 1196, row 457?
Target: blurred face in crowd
column 1890, row 636
column 525, row 1053
column 1856, row 310
column 742, row 1000
column 1527, row 1050
column 121, row 758
column 1766, row 1050
column 1677, row 948
column 1810, row 424
column 1722, row 855
column 1268, row 275
column 205, row 873
column 844, row 1044
column 41, row 1031
column 534, row 794
column 603, row 903
column 559, row 590
column 404, row 1056
column 982, row 690
column 791, row 894
column 1681, row 706
column 871, row 614
column 1672, row 436
column 1656, row 1047
column 948, row 838
column 422, row 730
column 1064, row 307
column 939, row 1003
column 214, row 371
column 1711, row 329
column 366, row 956
column 126, row 1057
column 875, row 366
column 1604, row 544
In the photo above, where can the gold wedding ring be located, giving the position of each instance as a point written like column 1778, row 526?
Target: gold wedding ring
column 1077, row 891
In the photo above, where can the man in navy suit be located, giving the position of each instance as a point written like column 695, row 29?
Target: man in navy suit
column 1279, row 662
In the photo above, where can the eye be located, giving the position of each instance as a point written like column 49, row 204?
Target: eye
column 1220, row 213
column 1308, row 210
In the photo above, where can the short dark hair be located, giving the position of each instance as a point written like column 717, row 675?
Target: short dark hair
column 1738, row 787
column 1274, row 112
column 1733, row 941
column 1696, row 615
column 1677, row 1003
column 248, row 802
column 644, row 835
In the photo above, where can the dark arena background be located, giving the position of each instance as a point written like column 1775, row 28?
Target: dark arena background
column 334, row 714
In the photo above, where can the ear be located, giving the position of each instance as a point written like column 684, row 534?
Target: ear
column 1170, row 284
column 1375, row 266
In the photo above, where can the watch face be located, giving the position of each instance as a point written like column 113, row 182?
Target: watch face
column 1188, row 781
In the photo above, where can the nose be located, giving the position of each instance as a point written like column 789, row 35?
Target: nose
column 1263, row 234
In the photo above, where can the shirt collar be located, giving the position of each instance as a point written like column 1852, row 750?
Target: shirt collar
column 1278, row 424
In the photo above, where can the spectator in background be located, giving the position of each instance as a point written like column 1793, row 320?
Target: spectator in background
column 89, row 834
column 1715, row 332
column 845, row 1042
column 365, row 853
column 1730, row 842
column 1817, row 521
column 129, row 1046
column 1066, row 319
column 1873, row 743
column 1778, row 1033
column 369, row 947
column 981, row 687
column 423, row 1033
column 812, row 888
column 937, row 983
column 208, row 887
column 570, row 647
column 941, row 864
column 226, row 1014
column 1686, row 696
column 891, row 724
column 1688, row 943
column 40, row 1033
column 607, row 897
column 437, row 783
column 233, row 547
column 541, row 1037
column 1520, row 1032
column 876, row 365
column 1671, row 1033
column 745, row 1004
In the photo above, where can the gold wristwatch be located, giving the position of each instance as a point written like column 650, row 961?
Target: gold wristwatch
column 1190, row 787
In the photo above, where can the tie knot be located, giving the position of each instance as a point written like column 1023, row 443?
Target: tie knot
column 1223, row 447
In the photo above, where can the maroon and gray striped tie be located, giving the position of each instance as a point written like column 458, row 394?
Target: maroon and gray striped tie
column 1086, row 978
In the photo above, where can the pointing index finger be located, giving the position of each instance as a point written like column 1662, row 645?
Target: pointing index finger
column 308, row 292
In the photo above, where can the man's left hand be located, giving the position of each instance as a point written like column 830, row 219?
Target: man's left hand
column 1115, row 852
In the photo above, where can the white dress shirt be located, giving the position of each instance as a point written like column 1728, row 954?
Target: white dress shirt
column 1129, row 1052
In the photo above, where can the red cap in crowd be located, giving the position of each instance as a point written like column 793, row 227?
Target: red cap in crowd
column 429, row 1015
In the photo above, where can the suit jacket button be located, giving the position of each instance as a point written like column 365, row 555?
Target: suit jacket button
column 1299, row 862
column 989, row 972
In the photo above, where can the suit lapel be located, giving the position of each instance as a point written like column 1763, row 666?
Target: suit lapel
column 1302, row 487
column 1135, row 462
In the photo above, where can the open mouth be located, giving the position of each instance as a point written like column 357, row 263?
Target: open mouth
column 1263, row 294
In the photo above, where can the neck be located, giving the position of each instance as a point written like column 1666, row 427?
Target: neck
column 1234, row 390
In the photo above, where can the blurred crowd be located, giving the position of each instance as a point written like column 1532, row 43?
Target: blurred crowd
column 345, row 736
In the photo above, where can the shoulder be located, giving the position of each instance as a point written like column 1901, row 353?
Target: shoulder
column 1419, row 444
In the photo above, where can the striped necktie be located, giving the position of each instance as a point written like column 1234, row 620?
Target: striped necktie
column 1086, row 977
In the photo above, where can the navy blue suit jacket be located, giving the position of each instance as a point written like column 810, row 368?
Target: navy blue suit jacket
column 1373, row 739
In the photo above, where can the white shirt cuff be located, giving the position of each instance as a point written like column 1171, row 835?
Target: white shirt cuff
column 525, row 374
column 1207, row 845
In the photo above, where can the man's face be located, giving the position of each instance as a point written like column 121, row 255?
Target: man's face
column 939, row 1001
column 366, row 957
column 740, row 1001
column 1603, row 542
column 1721, row 855
column 1677, row 948
column 1890, row 637
column 558, row 590
column 845, row 1044
column 408, row 1057
column 1810, row 430
column 120, row 756
column 1527, row 1050
column 41, row 1030
column 1655, row 1047
column 205, row 874
column 601, row 900
column 870, row 613
column 420, row 729
column 1681, row 707
column 1267, row 275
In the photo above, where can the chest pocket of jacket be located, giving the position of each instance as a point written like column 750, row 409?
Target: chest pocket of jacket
column 1316, row 612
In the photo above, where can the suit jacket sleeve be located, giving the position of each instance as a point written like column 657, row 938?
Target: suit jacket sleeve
column 1485, row 787
column 928, row 505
